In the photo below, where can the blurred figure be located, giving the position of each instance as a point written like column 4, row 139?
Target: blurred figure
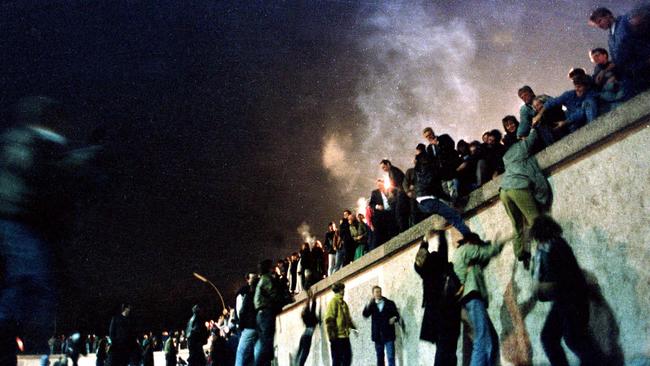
column 318, row 256
column 123, row 340
column 247, row 323
column 396, row 178
column 311, row 320
column 197, row 336
column 148, row 347
column 268, row 300
column 559, row 279
column 37, row 187
column 441, row 318
column 74, row 348
column 170, row 351
column 330, row 248
column 306, row 266
column 101, row 352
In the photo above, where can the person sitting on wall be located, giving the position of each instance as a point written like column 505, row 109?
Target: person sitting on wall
column 610, row 89
column 580, row 103
column 629, row 45
column 526, row 115
column 550, row 118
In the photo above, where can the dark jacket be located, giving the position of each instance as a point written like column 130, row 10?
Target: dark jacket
column 309, row 316
column 438, row 317
column 197, row 333
column 382, row 330
column 247, row 312
column 396, row 176
column 427, row 179
column 37, row 171
column 123, row 339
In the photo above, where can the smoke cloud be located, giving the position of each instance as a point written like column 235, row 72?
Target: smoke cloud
column 417, row 73
column 305, row 233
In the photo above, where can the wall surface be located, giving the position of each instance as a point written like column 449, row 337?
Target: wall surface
column 599, row 176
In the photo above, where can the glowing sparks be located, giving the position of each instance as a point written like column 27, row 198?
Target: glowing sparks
column 387, row 184
column 362, row 203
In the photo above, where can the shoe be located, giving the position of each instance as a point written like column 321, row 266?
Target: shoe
column 471, row 238
column 525, row 259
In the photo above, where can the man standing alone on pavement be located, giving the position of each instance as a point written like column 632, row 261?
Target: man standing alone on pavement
column 384, row 316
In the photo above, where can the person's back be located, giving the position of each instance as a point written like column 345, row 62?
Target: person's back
column 559, row 279
column 427, row 178
column 170, row 351
column 123, row 339
column 469, row 260
column 197, row 336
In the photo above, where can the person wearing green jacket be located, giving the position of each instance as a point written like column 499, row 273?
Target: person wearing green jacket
column 469, row 259
column 524, row 190
column 359, row 235
column 339, row 324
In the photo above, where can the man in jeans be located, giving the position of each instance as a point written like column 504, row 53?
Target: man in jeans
column 384, row 316
column 469, row 260
column 428, row 190
column 267, row 302
column 246, row 315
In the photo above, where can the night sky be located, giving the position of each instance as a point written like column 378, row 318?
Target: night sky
column 229, row 125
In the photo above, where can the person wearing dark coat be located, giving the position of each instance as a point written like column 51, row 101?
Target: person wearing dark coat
column 384, row 316
column 124, row 341
column 383, row 202
column 347, row 243
column 197, row 336
column 401, row 209
column 441, row 320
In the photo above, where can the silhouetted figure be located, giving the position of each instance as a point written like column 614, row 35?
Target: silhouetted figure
column 100, row 353
column 441, row 319
column 171, row 350
column 269, row 299
column 197, row 336
column 124, row 341
column 560, row 280
column 311, row 319
column 247, row 323
column 37, row 187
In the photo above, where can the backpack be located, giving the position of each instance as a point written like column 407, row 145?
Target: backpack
column 452, row 289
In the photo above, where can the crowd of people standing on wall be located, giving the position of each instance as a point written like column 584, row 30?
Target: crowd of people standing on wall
column 445, row 172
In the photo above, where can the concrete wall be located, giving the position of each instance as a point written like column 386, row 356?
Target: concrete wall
column 599, row 176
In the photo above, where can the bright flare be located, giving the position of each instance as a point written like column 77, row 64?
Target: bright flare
column 387, row 184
